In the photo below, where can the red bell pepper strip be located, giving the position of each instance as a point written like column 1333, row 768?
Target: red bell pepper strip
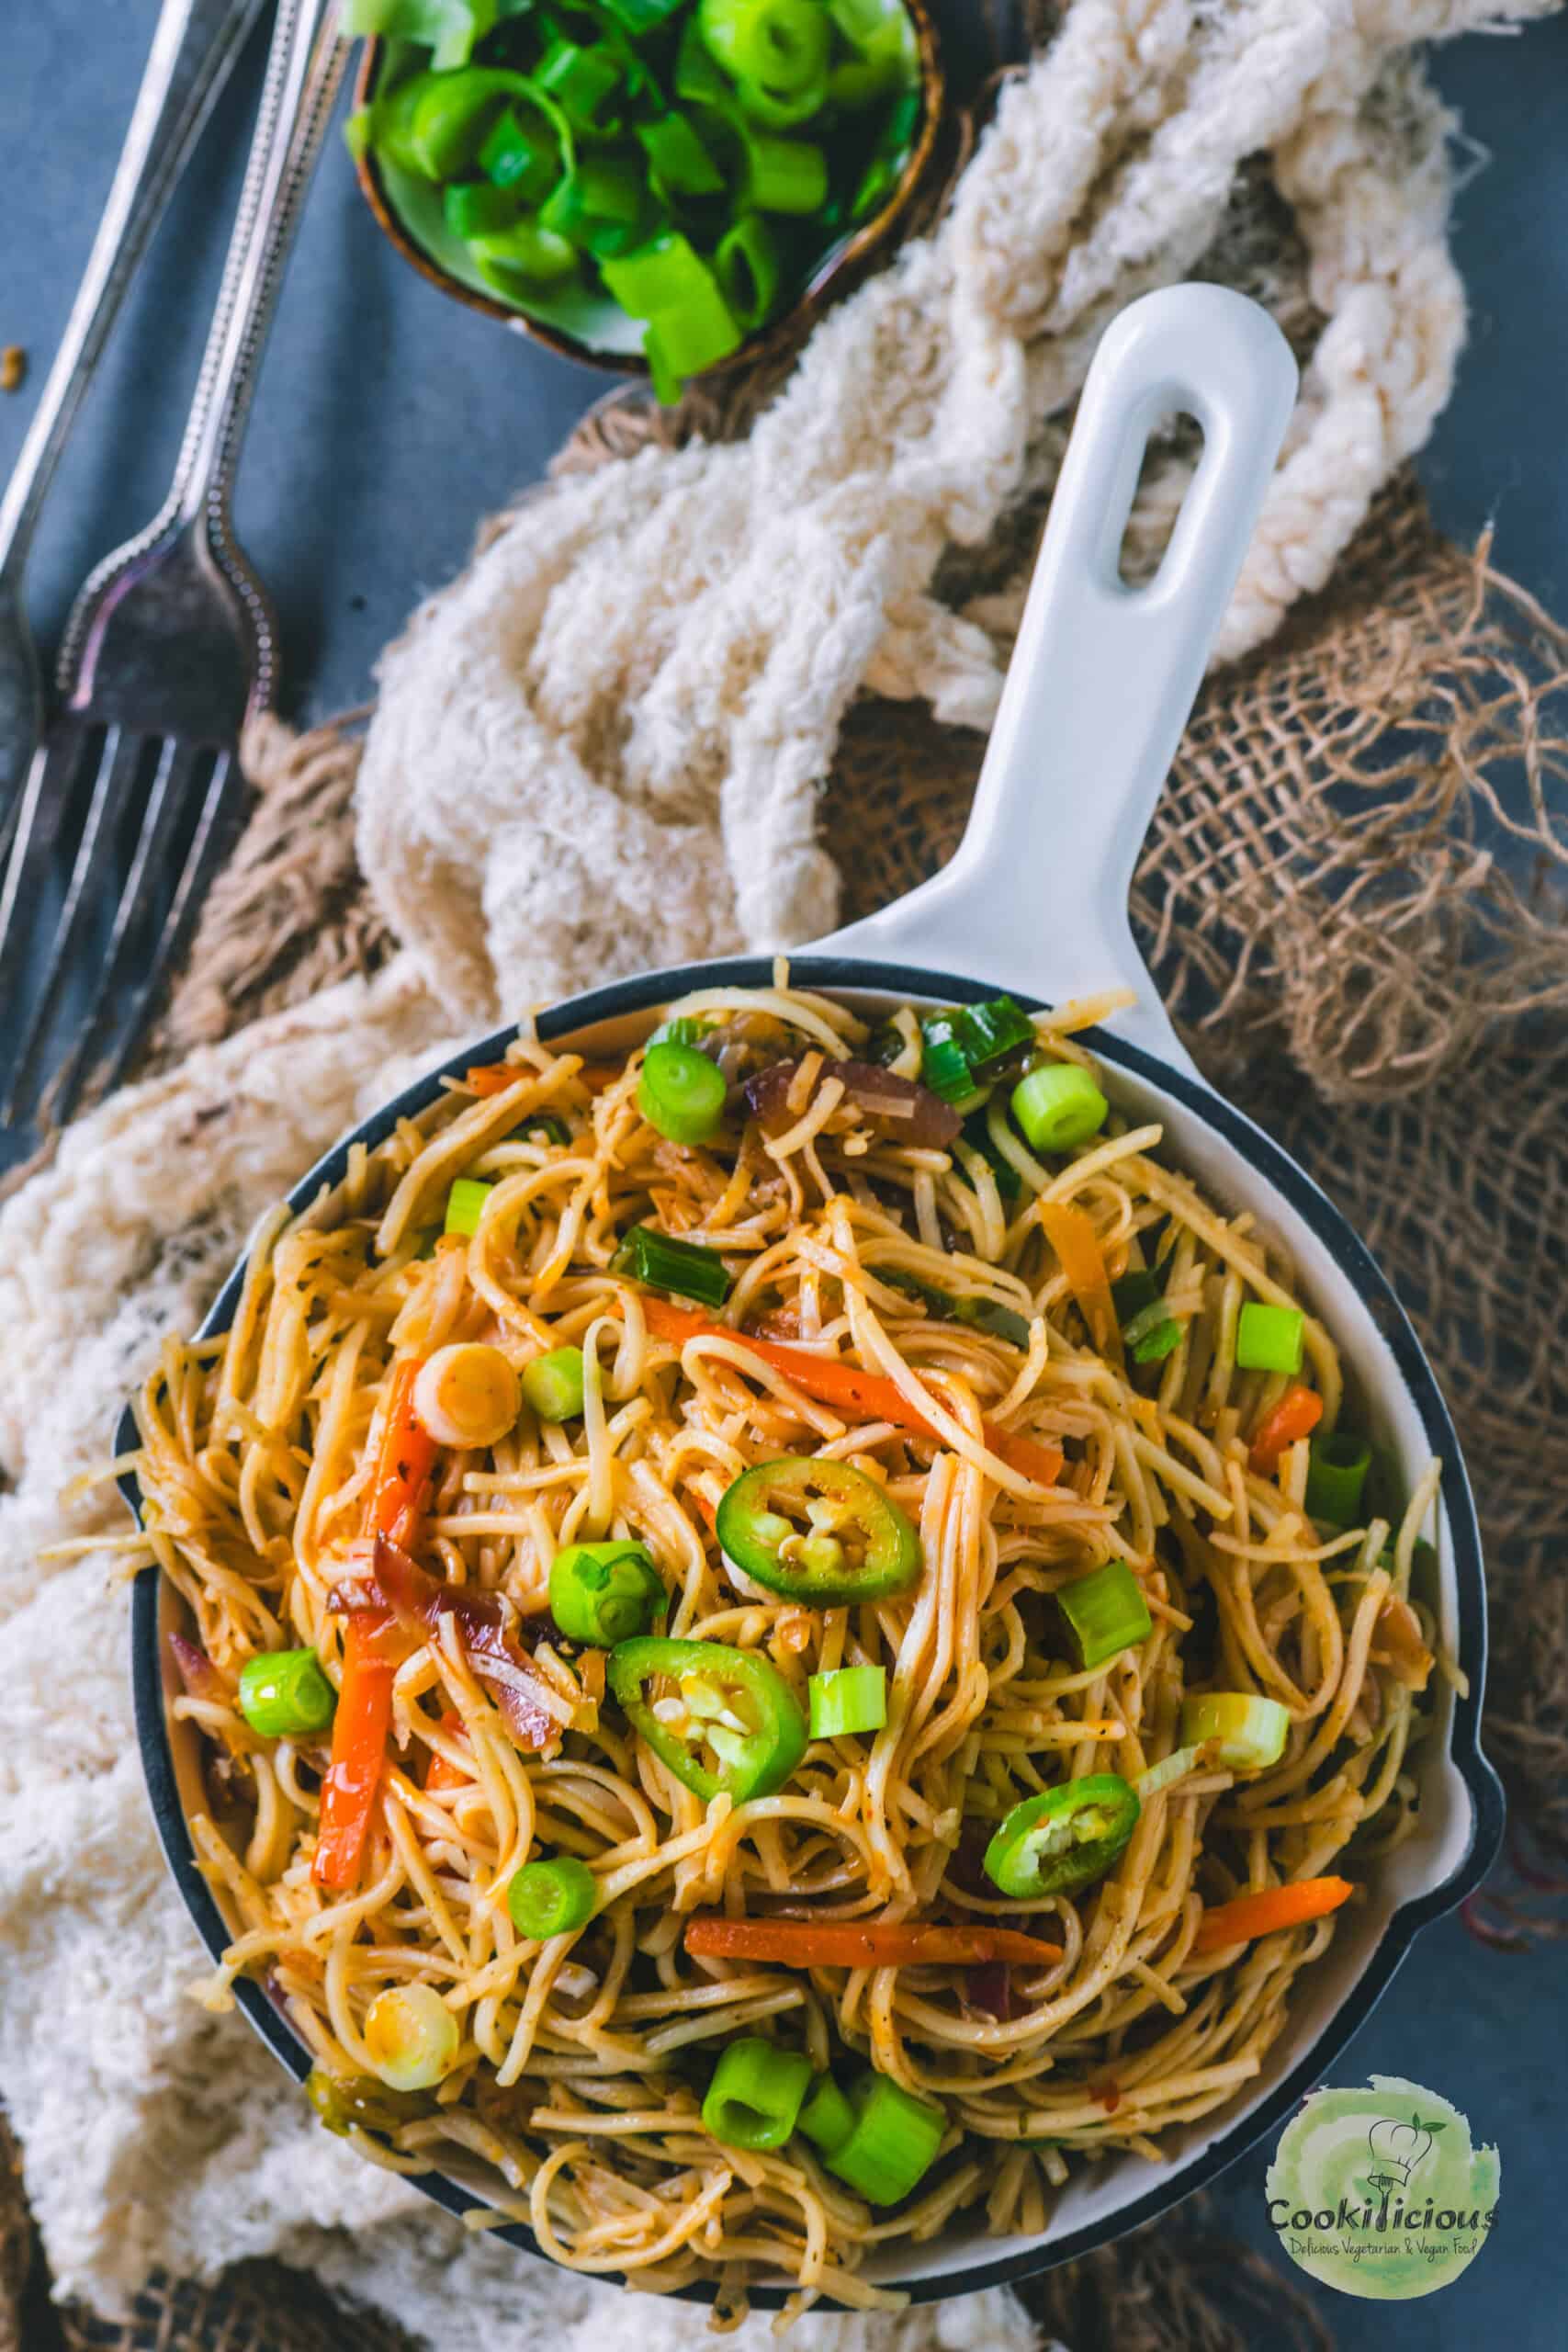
column 403, row 1463
column 845, row 1387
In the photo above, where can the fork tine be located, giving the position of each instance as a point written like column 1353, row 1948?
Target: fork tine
column 39, row 818
column 88, row 889
column 223, row 790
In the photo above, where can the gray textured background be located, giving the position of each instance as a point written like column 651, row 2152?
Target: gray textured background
column 388, row 420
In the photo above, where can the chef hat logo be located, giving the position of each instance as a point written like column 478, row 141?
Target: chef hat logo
column 1397, row 2148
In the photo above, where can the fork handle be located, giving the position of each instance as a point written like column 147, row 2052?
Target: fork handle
column 196, row 43
column 304, row 69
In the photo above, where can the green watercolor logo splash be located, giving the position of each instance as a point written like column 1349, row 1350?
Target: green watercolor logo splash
column 1379, row 2193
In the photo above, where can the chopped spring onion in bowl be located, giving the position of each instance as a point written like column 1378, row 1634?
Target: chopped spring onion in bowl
column 644, row 182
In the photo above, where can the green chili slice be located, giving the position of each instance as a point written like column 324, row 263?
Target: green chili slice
column 755, row 2094
column 284, row 1695
column 1057, row 1842
column 604, row 1593
column 731, row 1705
column 1106, row 1612
column 552, row 1898
column 680, row 1267
column 819, row 1531
column 1337, row 1473
column 880, row 2140
column 847, row 1699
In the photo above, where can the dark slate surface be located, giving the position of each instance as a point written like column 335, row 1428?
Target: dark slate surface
column 388, row 420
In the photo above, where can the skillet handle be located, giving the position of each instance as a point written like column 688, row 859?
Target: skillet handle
column 1103, row 676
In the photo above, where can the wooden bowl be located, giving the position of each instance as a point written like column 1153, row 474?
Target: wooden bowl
column 841, row 268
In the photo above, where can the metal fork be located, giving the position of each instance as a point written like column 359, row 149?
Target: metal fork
column 194, row 46
column 170, row 646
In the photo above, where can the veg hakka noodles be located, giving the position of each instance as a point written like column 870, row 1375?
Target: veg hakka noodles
column 787, row 1632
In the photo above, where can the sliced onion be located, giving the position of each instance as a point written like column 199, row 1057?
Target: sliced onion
column 988, row 1986
column 196, row 1671
column 419, row 1603
column 913, row 1112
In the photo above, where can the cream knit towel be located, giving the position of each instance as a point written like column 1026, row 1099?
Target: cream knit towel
column 600, row 749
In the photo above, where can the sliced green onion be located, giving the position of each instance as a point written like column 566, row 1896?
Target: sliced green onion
column 827, row 2117
column 1106, row 1612
column 553, row 1898
column 891, row 2141
column 659, row 276
column 945, row 1065
column 683, row 343
column 1132, row 1292
column 680, row 1093
column 780, row 43
column 755, row 2094
column 991, row 1030
column 1269, row 1339
column 465, row 1205
column 284, row 1695
column 1336, row 1471
column 697, row 77
column 641, row 15
column 553, row 1384
column 604, row 1593
column 599, row 191
column 450, row 27
column 847, row 1699
column 979, row 1313
column 580, row 79
column 1246, row 1734
column 1147, row 1318
column 747, row 263
column 677, row 157
column 786, row 174
column 522, row 154
column 525, row 254
column 1060, row 1106
column 1154, row 1345
column 475, row 208
column 1171, row 1767
column 978, row 1137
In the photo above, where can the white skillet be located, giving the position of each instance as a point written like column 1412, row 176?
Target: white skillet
column 1036, row 902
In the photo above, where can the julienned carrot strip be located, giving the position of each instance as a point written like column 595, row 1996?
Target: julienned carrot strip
column 359, row 1749
column 403, row 1463
column 871, row 1943
column 1275, row 1907
column 1296, row 1415
column 1071, row 1234
column 841, row 1385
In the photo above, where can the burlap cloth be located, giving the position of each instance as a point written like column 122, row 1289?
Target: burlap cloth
column 1355, row 879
